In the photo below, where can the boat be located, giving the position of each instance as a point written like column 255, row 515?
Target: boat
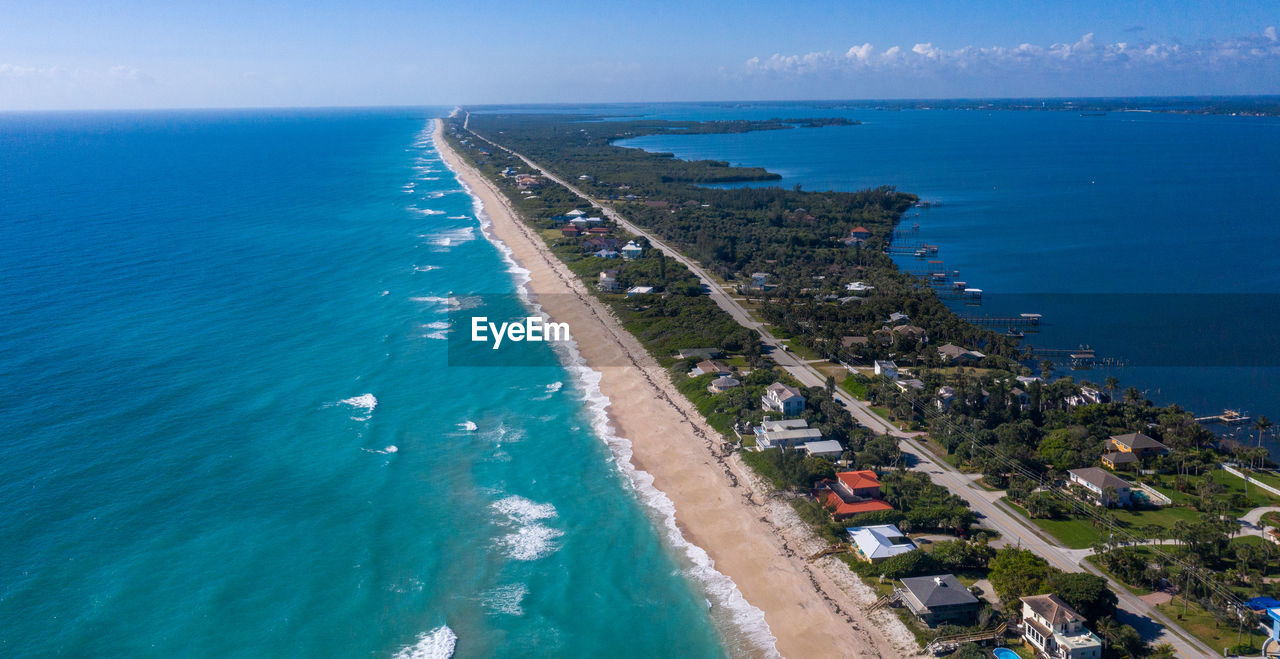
column 1014, row 333
column 1093, row 114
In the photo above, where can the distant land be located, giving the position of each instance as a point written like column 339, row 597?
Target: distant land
column 1260, row 106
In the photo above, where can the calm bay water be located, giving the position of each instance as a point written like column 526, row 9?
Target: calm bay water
column 230, row 429
column 1150, row 237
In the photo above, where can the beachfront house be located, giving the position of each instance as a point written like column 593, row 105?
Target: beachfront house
column 639, row 290
column 708, row 366
column 1138, row 445
column 608, row 280
column 850, row 493
column 1056, row 630
column 631, row 250
column 783, row 399
column 784, row 434
column 886, row 368
column 723, row 384
column 1104, row 487
column 605, row 254
column 701, row 353
column 827, row 448
column 874, row 544
column 939, row 599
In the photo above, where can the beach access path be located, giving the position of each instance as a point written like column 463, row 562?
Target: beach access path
column 1153, row 625
column 718, row 506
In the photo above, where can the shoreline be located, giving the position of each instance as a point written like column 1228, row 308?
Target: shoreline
column 752, row 539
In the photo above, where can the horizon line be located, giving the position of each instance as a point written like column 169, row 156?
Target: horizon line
column 406, row 106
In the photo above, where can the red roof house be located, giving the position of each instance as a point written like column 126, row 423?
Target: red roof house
column 851, row 493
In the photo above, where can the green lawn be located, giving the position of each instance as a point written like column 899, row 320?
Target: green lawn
column 1204, row 626
column 1081, row 533
column 855, row 386
column 1268, row 477
column 1072, row 533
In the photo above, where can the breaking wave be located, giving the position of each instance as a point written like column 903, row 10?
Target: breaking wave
column 438, row 643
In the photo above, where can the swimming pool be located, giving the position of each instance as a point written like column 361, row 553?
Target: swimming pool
column 1005, row 653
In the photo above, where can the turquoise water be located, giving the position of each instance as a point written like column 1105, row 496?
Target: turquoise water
column 230, row 429
column 1151, row 237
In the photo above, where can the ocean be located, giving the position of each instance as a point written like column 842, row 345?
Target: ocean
column 1149, row 237
column 231, row 426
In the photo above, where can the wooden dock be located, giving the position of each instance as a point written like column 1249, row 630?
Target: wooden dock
column 1228, row 417
column 1021, row 321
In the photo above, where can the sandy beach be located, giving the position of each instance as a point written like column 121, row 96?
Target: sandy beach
column 813, row 609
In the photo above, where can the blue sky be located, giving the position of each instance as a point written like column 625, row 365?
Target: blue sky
column 130, row 54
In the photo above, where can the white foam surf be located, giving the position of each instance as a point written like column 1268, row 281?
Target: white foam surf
column 426, row 211
column 438, row 643
column 506, row 599
column 425, row 268
column 469, row 426
column 531, row 539
column 452, row 237
column 364, row 403
column 742, row 614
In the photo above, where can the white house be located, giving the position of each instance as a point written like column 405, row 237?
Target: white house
column 887, row 369
column 1098, row 481
column 859, row 287
column 946, row 395
column 609, row 280
column 876, row 543
column 639, row 290
column 827, row 448
column 782, row 399
column 1051, row 626
column 785, row 434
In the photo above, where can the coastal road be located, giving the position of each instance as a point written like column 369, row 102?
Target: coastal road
column 996, row 515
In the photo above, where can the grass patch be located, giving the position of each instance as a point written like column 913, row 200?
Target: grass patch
column 1072, row 533
column 856, row 386
column 1206, row 627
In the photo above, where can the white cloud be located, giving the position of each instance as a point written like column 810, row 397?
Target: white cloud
column 863, row 53
column 1083, row 54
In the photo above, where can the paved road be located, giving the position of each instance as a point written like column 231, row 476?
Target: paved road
column 996, row 515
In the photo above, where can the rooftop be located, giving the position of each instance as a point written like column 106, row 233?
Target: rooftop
column 1053, row 609
column 939, row 590
column 881, row 541
column 1137, row 441
column 1099, row 478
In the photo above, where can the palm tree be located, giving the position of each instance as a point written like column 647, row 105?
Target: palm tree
column 1111, row 385
column 1162, row 651
column 1262, row 425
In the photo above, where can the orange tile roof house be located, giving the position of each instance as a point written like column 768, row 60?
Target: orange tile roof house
column 851, row 493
